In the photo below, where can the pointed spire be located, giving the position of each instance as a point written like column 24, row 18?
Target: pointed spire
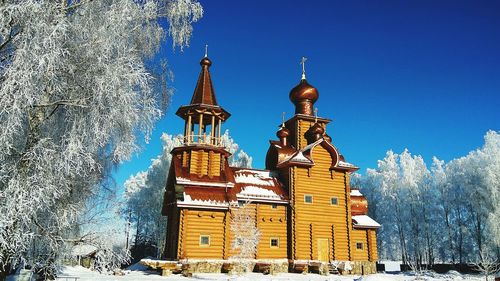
column 283, row 120
column 303, row 63
column 204, row 91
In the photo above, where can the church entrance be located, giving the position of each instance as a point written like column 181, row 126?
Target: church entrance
column 323, row 250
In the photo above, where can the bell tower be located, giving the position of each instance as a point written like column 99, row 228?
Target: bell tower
column 203, row 154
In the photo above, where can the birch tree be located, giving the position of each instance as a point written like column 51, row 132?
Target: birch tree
column 449, row 213
column 491, row 155
column 75, row 92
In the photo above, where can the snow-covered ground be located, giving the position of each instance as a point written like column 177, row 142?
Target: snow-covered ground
column 142, row 275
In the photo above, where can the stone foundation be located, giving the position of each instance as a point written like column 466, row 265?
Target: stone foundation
column 335, row 267
column 363, row 267
column 234, row 266
column 188, row 267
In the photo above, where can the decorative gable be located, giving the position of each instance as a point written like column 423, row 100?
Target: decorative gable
column 305, row 157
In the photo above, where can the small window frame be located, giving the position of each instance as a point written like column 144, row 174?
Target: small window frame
column 358, row 244
column 305, row 198
column 274, row 206
column 201, row 238
column 336, row 201
column 277, row 239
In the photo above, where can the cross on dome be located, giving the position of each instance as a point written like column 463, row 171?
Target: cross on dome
column 304, row 95
column 206, row 50
column 303, row 63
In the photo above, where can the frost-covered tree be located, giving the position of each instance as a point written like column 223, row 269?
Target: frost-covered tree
column 488, row 265
column 406, row 205
column 448, row 213
column 246, row 235
column 144, row 190
column 490, row 153
column 144, row 196
column 442, row 186
column 238, row 157
column 75, row 92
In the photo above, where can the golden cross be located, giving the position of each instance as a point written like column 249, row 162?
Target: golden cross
column 303, row 63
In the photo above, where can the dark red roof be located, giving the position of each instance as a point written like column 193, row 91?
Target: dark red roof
column 263, row 179
column 206, row 193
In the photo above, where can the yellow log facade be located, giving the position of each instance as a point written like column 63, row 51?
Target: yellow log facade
column 302, row 204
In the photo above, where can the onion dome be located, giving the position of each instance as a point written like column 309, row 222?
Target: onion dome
column 283, row 134
column 205, row 62
column 359, row 204
column 327, row 138
column 304, row 96
column 317, row 129
column 314, row 133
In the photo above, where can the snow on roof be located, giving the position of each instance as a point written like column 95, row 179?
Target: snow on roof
column 258, row 192
column 364, row 221
column 83, row 250
column 346, row 164
column 256, row 177
column 188, row 201
column 148, row 261
column 181, row 180
column 258, row 185
column 299, row 157
column 355, row 192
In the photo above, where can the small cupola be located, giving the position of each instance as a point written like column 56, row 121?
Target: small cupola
column 359, row 204
column 314, row 133
column 282, row 135
column 327, row 138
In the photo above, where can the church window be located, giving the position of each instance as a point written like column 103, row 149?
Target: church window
column 308, row 199
column 274, row 206
column 334, row 201
column 274, row 242
column 205, row 240
column 359, row 246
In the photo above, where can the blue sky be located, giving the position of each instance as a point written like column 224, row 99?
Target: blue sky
column 416, row 74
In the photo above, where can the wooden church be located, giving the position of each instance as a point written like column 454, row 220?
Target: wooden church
column 302, row 203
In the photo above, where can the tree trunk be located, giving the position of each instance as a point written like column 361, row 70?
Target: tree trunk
column 402, row 237
column 479, row 233
column 460, row 237
column 3, row 274
column 450, row 239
